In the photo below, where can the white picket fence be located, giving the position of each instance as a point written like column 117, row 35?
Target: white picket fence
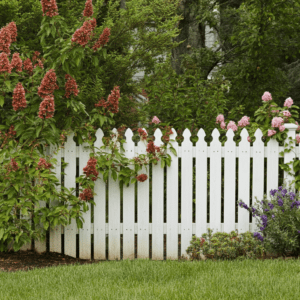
column 172, row 228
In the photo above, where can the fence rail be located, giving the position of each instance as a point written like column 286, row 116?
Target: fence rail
column 205, row 172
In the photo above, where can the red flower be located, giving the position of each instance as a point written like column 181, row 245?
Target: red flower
column 91, row 168
column 16, row 62
column 141, row 177
column 14, row 164
column 42, row 163
column 12, row 27
column 47, row 107
column 35, row 56
column 112, row 103
column 82, row 35
column 19, row 100
column 103, row 39
column 70, row 86
column 4, row 63
column 48, row 84
column 142, row 133
column 5, row 40
column 86, row 195
column 88, row 9
column 151, row 148
column 39, row 64
column 28, row 66
column 49, row 8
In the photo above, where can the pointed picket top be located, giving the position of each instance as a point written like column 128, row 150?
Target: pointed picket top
column 229, row 135
column 201, row 135
column 258, row 136
column 115, row 131
column 186, row 134
column 215, row 135
column 173, row 135
column 244, row 135
column 70, row 140
column 158, row 135
column 99, row 135
column 142, row 144
column 128, row 135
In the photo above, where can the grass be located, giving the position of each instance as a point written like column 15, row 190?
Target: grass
column 146, row 279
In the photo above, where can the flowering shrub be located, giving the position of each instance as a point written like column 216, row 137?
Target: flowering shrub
column 221, row 245
column 279, row 220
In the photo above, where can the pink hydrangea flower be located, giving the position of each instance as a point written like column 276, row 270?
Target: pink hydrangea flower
column 244, row 121
column 277, row 121
column 281, row 128
column 223, row 125
column 286, row 113
column 231, row 125
column 220, row 119
column 298, row 138
column 248, row 139
column 266, row 97
column 271, row 132
column 298, row 129
column 155, row 120
column 275, row 111
column 288, row 102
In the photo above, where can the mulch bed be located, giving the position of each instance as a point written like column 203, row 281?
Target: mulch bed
column 28, row 260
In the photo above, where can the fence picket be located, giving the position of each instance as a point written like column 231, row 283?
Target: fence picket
column 128, row 203
column 99, row 208
column 229, row 182
column 55, row 233
column 258, row 173
column 201, row 184
column 186, row 192
column 114, row 199
column 157, row 204
column 215, row 182
column 272, row 166
column 172, row 202
column 143, row 209
column 244, row 182
column 70, row 230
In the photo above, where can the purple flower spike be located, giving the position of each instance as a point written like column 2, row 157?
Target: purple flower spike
column 245, row 206
column 241, row 204
column 273, row 192
column 266, row 209
column 280, row 188
column 271, row 205
column 284, row 191
column 280, row 202
column 273, row 216
column 298, row 231
column 256, row 234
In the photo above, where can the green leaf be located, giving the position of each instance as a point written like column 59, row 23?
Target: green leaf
column 7, row 83
column 1, row 233
column 38, row 130
column 16, row 187
column 1, row 101
column 24, row 211
column 46, row 225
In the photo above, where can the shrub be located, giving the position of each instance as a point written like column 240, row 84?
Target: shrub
column 222, row 245
column 279, row 219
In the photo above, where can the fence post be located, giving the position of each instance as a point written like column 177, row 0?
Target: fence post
column 291, row 155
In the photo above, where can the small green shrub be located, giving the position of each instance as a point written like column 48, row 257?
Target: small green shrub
column 222, row 245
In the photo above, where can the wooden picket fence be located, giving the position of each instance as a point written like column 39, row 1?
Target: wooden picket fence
column 172, row 228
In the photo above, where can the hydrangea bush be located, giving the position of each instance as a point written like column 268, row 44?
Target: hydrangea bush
column 279, row 220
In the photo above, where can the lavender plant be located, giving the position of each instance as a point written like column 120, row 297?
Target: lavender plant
column 279, row 220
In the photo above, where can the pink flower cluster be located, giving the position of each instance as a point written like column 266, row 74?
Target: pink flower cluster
column 155, row 120
column 70, row 86
column 288, row 102
column 112, row 103
column 220, row 119
column 91, row 168
column 266, row 97
column 103, row 39
column 244, row 121
column 49, row 8
column 39, row 64
column 151, row 148
column 271, row 132
column 276, row 122
column 19, row 100
column 231, row 125
column 28, row 66
column 286, row 113
column 48, row 84
column 82, row 35
column 298, row 138
column 298, row 129
column 16, row 62
column 88, row 9
column 47, row 107
column 12, row 27
column 4, row 63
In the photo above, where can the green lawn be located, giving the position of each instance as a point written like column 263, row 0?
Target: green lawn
column 146, row 279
